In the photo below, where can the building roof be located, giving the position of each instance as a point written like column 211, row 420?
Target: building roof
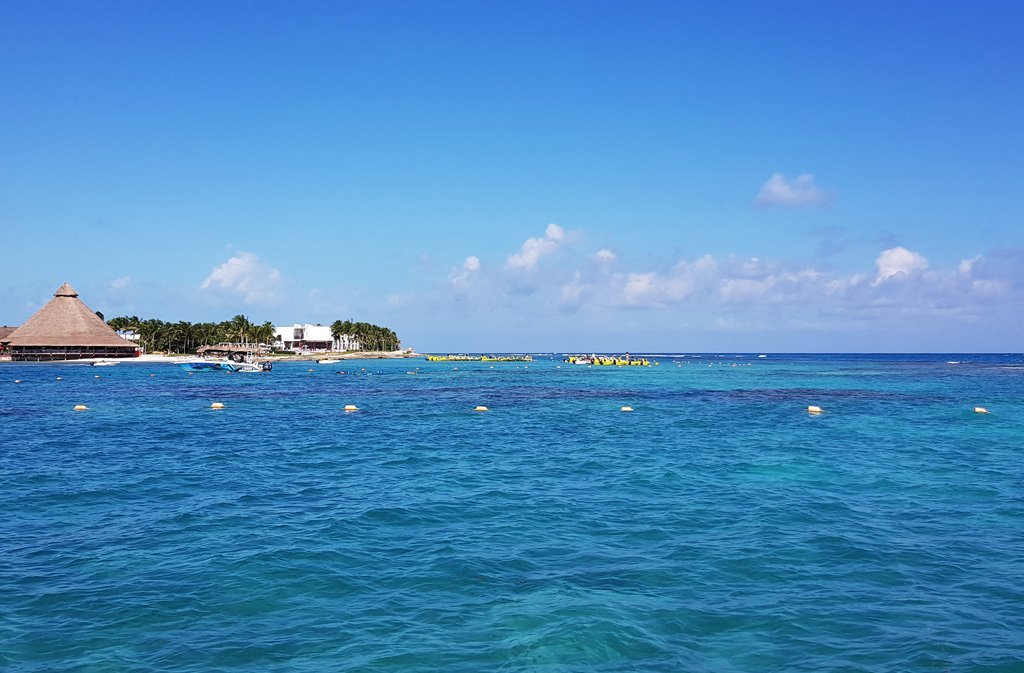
column 65, row 321
column 5, row 330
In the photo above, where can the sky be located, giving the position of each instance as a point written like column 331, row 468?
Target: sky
column 525, row 176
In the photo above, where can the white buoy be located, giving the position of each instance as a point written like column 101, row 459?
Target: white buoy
column 351, row 407
column 17, row 380
column 813, row 409
column 981, row 410
column 60, row 378
column 81, row 407
column 627, row 408
column 480, row 407
column 217, row 405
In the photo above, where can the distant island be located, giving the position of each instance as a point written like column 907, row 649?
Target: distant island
column 185, row 337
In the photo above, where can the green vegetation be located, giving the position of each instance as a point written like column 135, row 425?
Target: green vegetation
column 370, row 337
column 186, row 337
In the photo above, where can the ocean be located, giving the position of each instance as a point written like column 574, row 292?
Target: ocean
column 717, row 528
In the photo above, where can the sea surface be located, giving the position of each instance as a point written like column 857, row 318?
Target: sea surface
column 719, row 527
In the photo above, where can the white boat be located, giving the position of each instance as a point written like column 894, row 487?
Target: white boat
column 328, row 361
column 224, row 365
column 104, row 363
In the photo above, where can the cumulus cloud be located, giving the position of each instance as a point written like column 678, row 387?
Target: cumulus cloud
column 800, row 191
column 461, row 275
column 894, row 286
column 246, row 276
column 898, row 261
column 535, row 248
column 967, row 264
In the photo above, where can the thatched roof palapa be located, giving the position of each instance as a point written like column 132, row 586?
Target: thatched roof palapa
column 65, row 321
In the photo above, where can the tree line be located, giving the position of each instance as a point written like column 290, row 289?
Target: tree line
column 186, row 337
column 370, row 337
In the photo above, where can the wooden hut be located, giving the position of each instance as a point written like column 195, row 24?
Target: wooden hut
column 66, row 329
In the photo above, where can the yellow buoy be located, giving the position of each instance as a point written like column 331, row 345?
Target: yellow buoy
column 981, row 410
column 625, row 408
column 217, row 405
column 351, row 407
column 813, row 409
column 81, row 407
column 480, row 407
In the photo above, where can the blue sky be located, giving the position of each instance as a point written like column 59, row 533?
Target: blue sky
column 525, row 176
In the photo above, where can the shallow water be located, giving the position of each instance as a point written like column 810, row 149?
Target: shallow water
column 718, row 528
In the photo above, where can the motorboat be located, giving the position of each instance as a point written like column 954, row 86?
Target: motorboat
column 328, row 361
column 223, row 365
column 104, row 363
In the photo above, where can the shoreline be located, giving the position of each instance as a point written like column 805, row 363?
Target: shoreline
column 152, row 358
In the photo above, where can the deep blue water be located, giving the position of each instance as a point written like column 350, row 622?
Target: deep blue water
column 718, row 528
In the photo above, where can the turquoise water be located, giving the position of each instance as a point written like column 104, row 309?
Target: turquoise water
column 718, row 528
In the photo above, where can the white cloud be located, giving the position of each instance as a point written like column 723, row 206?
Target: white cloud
column 121, row 283
column 605, row 256
column 967, row 264
column 247, row 276
column 462, row 275
column 535, row 248
column 800, row 191
column 896, row 261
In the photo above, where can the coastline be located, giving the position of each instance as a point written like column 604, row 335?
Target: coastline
column 152, row 358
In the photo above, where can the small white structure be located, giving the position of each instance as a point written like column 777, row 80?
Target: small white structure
column 307, row 338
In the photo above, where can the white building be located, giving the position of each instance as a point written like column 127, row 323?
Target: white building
column 306, row 338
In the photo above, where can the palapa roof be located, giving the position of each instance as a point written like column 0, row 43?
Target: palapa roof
column 4, row 331
column 65, row 321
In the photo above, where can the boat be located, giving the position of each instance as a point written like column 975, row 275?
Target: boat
column 224, row 365
column 328, row 361
column 103, row 363
column 607, row 360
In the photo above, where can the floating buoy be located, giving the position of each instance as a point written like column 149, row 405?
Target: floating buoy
column 813, row 409
column 17, row 380
column 152, row 375
column 625, row 408
column 217, row 405
column 351, row 407
column 96, row 376
column 981, row 410
column 81, row 407
column 310, row 371
column 60, row 378
column 480, row 407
